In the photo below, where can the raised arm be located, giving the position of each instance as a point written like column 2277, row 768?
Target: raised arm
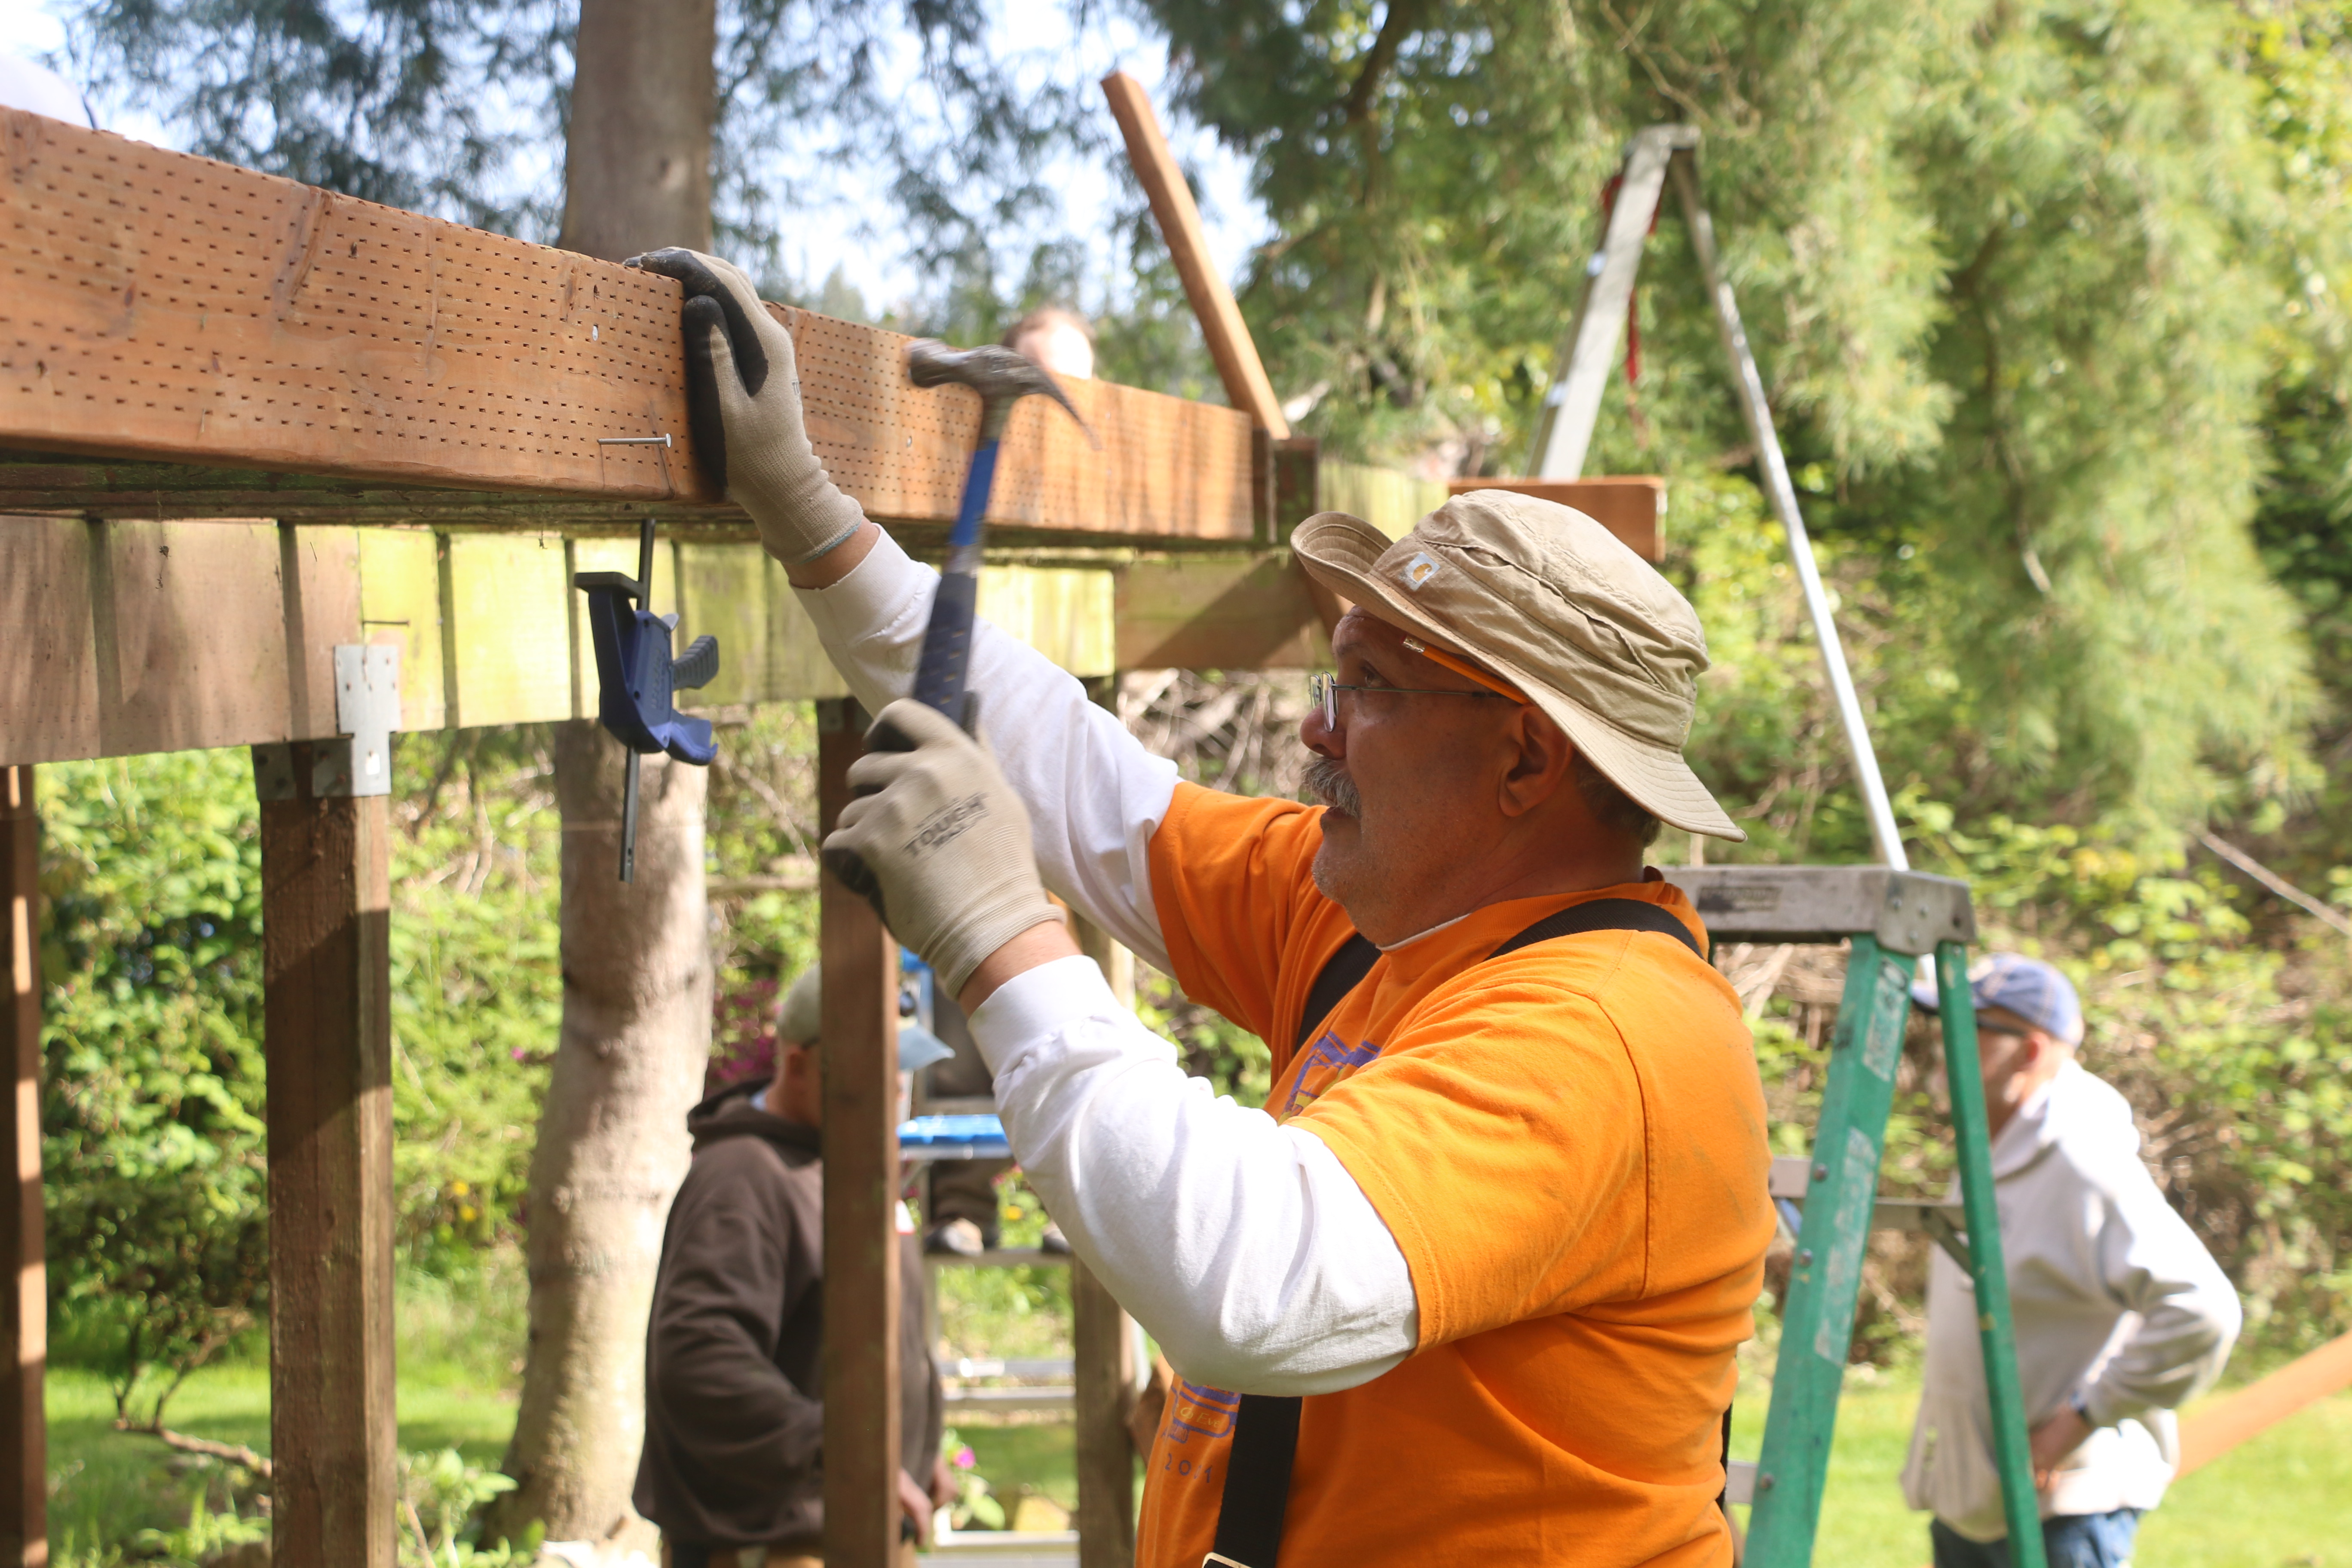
column 1094, row 796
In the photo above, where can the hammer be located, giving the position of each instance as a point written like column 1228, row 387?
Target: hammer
column 1002, row 378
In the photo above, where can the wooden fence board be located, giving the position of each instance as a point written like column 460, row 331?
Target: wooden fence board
column 2247, row 1413
column 49, row 681
column 400, row 604
column 197, row 633
column 509, row 622
column 723, row 592
column 190, row 651
column 1249, row 614
column 159, row 306
column 319, row 569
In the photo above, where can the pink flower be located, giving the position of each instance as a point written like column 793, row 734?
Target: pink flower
column 965, row 1458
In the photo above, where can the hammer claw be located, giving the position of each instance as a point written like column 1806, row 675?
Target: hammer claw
column 996, row 373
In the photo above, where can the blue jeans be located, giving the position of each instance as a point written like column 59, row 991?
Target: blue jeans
column 2069, row 1540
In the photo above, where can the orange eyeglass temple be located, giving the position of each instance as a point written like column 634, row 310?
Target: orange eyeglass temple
column 1462, row 668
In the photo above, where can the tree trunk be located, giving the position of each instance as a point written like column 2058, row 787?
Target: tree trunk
column 636, row 957
column 637, row 150
column 611, row 1139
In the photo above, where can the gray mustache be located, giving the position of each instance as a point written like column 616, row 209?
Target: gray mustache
column 1328, row 781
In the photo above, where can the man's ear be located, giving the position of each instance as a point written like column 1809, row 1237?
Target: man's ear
column 1541, row 769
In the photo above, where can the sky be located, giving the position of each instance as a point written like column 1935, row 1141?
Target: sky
column 863, row 237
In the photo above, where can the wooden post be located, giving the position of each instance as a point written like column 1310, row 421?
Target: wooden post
column 1103, row 1338
column 327, row 1023
column 1228, row 335
column 859, row 1029
column 25, row 1315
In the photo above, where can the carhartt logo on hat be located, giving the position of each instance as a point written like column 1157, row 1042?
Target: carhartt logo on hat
column 1557, row 604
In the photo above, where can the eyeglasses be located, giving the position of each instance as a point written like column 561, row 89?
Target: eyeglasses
column 1325, row 689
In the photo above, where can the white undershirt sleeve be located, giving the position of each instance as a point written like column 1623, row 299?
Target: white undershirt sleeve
column 1244, row 1247
column 1095, row 795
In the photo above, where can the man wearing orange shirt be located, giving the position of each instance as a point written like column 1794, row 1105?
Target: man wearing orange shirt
column 1468, row 1291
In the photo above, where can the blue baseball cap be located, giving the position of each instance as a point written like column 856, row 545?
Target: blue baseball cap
column 2013, row 982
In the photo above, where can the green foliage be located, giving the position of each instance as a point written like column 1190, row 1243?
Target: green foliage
column 477, row 982
column 151, row 1111
column 205, row 1535
column 440, row 1493
column 2017, row 276
column 975, row 1506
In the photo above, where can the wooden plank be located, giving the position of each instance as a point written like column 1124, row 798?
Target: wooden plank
column 191, row 636
column 507, row 629
column 1391, row 501
column 400, row 604
column 1632, row 506
column 162, row 306
column 860, row 1026
column 49, row 681
column 24, row 1305
column 1253, row 613
column 1103, row 1348
column 327, row 1024
column 1064, row 613
column 723, row 592
column 1221, row 326
column 2254, row 1409
column 319, row 571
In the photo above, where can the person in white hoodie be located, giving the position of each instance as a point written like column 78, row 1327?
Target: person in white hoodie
column 2121, row 1313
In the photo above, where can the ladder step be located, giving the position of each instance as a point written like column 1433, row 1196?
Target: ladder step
column 1792, row 1178
column 1906, row 911
column 1739, row 1481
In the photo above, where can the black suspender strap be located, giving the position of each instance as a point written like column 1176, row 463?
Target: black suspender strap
column 1266, row 1425
column 1603, row 914
column 1342, row 972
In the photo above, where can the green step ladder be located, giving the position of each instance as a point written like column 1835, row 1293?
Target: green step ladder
column 1893, row 918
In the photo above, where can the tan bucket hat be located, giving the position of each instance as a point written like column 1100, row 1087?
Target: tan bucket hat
column 1555, row 604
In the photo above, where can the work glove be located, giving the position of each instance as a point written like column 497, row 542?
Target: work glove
column 743, row 403
column 939, row 841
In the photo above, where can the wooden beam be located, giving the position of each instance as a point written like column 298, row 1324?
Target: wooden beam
column 327, row 1042
column 168, row 307
column 1252, row 613
column 1228, row 335
column 25, row 1307
column 859, row 1029
column 1633, row 507
column 2251, row 1411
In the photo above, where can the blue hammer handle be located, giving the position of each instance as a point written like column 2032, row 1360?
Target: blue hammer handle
column 947, row 641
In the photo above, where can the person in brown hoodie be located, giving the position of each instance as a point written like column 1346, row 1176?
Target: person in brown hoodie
column 732, row 1469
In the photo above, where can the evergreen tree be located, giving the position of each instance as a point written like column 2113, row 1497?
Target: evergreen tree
column 2017, row 274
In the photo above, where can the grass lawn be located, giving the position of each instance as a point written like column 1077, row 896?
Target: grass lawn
column 2283, row 1500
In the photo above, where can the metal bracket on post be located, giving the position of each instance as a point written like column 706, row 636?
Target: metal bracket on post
column 358, row 761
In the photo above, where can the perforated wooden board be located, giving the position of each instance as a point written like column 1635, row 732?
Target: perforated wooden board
column 155, row 305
